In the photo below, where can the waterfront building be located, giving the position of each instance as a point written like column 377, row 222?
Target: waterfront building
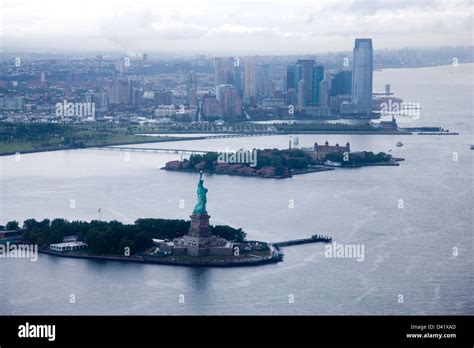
column 319, row 152
column 11, row 236
column 362, row 70
column 164, row 111
column 388, row 105
column 337, row 101
column 389, row 125
column 272, row 102
column 68, row 246
column 316, row 111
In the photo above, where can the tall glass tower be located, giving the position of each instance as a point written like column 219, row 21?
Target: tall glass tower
column 304, row 71
column 362, row 76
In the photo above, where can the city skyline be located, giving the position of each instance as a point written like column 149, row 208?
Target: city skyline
column 301, row 160
column 231, row 27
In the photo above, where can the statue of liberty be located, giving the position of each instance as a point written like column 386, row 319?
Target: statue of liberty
column 200, row 208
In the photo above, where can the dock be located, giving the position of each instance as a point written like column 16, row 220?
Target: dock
column 314, row 239
column 437, row 133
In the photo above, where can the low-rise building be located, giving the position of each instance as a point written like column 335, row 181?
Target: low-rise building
column 164, row 111
column 68, row 246
column 12, row 236
column 266, row 171
column 247, row 171
column 173, row 165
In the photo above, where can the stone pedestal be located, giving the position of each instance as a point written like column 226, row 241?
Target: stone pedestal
column 199, row 236
column 199, row 226
column 199, row 241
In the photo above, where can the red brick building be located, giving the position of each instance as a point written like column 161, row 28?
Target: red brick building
column 320, row 151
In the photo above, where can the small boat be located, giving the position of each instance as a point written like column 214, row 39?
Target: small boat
column 333, row 164
column 399, row 144
column 472, row 147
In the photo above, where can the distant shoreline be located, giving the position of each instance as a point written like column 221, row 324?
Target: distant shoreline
column 10, row 153
column 170, row 139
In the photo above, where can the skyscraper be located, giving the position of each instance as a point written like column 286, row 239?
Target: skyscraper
column 100, row 100
column 300, row 95
column 304, row 71
column 318, row 77
column 239, row 80
column 263, row 80
column 119, row 91
column 362, row 67
column 191, row 88
column 250, row 72
column 223, row 71
column 324, row 90
column 311, row 75
column 341, row 83
column 163, row 98
column 211, row 106
column 290, row 78
column 230, row 101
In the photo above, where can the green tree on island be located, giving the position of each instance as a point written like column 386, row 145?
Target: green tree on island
column 113, row 237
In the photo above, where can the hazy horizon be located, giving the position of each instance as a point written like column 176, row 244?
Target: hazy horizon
column 230, row 27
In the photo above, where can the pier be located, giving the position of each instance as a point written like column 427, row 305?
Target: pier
column 314, row 239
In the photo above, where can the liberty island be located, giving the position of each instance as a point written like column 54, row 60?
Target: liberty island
column 200, row 247
column 150, row 240
column 158, row 241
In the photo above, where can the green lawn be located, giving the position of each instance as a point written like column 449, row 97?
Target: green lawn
column 32, row 137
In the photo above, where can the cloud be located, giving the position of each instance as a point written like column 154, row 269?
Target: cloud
column 373, row 7
column 282, row 25
column 242, row 30
column 178, row 30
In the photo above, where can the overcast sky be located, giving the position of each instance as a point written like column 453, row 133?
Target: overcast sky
column 231, row 26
